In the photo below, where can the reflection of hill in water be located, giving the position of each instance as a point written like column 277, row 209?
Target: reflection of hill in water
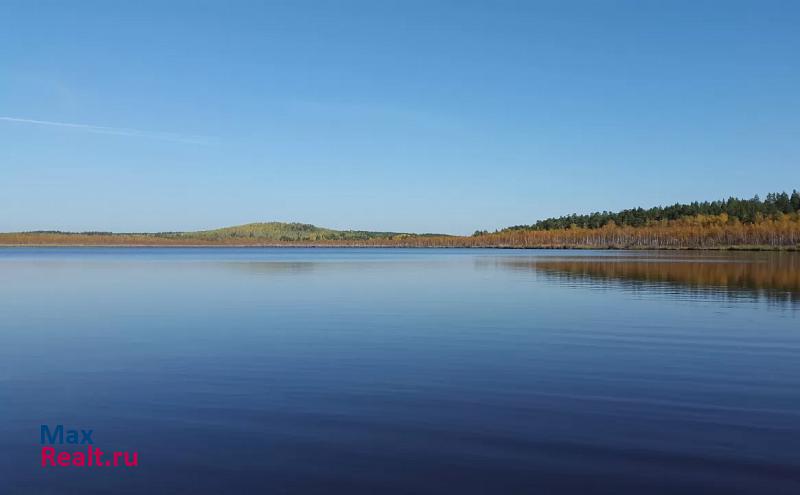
column 775, row 276
column 272, row 267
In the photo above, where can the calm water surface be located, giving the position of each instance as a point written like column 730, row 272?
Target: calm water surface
column 403, row 371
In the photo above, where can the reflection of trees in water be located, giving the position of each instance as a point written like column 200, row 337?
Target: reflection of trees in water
column 775, row 277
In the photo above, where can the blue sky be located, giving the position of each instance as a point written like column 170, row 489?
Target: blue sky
column 407, row 116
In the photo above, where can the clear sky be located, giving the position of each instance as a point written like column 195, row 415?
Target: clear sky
column 406, row 116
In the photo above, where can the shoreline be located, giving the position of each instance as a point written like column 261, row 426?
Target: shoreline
column 389, row 246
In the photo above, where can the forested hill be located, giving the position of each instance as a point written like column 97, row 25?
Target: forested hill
column 280, row 231
column 262, row 233
column 772, row 223
column 744, row 210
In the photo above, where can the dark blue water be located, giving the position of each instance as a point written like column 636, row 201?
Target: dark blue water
column 403, row 371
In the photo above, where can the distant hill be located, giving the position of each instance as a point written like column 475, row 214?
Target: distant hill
column 251, row 234
column 287, row 232
column 771, row 223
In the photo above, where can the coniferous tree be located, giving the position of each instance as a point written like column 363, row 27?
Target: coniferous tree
column 795, row 200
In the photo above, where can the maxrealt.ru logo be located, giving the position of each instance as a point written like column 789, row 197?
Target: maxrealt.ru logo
column 70, row 439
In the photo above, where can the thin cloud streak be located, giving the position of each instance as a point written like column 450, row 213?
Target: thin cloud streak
column 116, row 131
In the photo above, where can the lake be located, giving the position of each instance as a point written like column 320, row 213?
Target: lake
column 382, row 371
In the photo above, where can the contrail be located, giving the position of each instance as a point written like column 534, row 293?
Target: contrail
column 117, row 131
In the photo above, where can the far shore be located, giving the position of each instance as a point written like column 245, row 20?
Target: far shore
column 395, row 246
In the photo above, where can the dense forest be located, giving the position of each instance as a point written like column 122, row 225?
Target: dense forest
column 743, row 210
column 772, row 223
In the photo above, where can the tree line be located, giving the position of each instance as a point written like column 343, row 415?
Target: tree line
column 772, row 223
column 745, row 210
